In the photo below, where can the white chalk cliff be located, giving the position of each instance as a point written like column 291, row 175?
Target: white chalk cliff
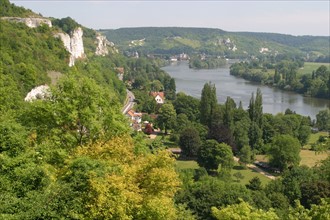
column 39, row 92
column 73, row 43
column 30, row 22
column 102, row 44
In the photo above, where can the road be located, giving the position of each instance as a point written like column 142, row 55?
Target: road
column 129, row 102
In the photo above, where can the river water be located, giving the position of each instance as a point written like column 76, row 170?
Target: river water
column 191, row 82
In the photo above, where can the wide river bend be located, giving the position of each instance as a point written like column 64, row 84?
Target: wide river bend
column 191, row 82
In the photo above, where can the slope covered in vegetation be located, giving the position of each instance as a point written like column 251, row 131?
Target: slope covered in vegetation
column 176, row 40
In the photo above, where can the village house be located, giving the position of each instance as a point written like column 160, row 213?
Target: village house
column 135, row 117
column 159, row 97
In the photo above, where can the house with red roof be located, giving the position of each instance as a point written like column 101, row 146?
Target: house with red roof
column 159, row 97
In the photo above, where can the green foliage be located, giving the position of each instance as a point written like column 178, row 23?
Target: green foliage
column 80, row 111
column 28, row 53
column 208, row 104
column 66, row 24
column 254, row 184
column 294, row 179
column 243, row 211
column 201, row 195
column 166, row 117
column 13, row 136
column 10, row 98
column 11, row 10
column 315, row 213
column 255, row 138
column 313, row 192
column 323, row 120
column 245, row 154
column 187, row 105
column 190, row 142
column 284, row 152
column 209, row 63
column 213, row 155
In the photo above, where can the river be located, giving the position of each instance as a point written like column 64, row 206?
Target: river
column 191, row 82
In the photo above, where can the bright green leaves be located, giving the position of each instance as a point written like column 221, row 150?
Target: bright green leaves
column 243, row 211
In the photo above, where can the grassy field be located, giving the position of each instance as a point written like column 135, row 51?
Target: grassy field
column 247, row 174
column 308, row 157
column 311, row 158
column 313, row 138
column 309, row 67
column 186, row 164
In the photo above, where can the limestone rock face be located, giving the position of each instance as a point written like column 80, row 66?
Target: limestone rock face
column 30, row 22
column 102, row 43
column 77, row 45
column 39, row 92
column 73, row 43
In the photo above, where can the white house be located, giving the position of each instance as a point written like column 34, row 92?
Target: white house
column 135, row 116
column 159, row 97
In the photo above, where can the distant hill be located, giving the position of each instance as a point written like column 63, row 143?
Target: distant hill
column 174, row 40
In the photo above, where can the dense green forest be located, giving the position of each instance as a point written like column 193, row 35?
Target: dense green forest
column 168, row 41
column 72, row 155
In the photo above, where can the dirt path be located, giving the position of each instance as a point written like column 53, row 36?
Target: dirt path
column 257, row 169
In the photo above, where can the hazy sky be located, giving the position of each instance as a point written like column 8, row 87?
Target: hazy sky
column 287, row 17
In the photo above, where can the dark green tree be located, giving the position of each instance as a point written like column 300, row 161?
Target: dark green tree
column 245, row 154
column 208, row 103
column 190, row 142
column 187, row 105
column 255, row 137
column 284, row 152
column 323, row 120
column 255, row 108
column 212, row 154
column 258, row 109
column 313, row 192
column 241, row 133
column 167, row 116
column 254, row 184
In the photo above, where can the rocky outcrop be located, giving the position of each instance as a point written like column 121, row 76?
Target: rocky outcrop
column 102, row 43
column 30, row 22
column 39, row 92
column 73, row 43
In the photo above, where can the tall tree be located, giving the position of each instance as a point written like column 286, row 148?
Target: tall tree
column 323, row 120
column 208, row 103
column 255, row 137
column 258, row 109
column 190, row 142
column 166, row 117
column 245, row 154
column 255, row 108
column 228, row 115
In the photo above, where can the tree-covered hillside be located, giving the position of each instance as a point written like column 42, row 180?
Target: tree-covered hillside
column 175, row 40
column 69, row 154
